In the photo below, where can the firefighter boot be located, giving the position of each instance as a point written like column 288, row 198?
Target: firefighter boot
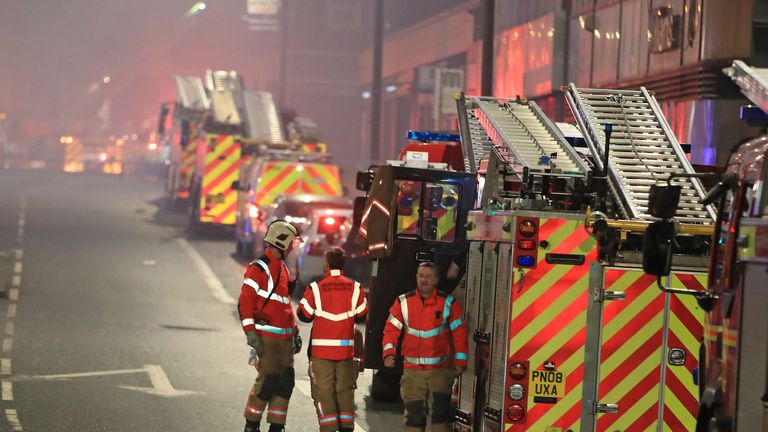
column 251, row 426
column 274, row 427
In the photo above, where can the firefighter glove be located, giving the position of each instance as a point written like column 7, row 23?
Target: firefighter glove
column 254, row 341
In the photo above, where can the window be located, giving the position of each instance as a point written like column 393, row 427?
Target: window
column 427, row 210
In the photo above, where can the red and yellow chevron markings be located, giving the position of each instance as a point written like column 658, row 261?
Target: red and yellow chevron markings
column 218, row 202
column 548, row 317
column 186, row 166
column 292, row 178
column 73, row 155
column 548, row 321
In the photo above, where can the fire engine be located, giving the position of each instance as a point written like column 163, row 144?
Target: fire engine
column 568, row 332
column 415, row 210
column 734, row 370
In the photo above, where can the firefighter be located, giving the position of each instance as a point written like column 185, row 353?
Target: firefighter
column 270, row 328
column 432, row 322
column 335, row 304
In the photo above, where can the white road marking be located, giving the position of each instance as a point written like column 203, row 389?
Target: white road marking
column 305, row 388
column 19, row 254
column 21, row 220
column 78, row 375
column 16, row 280
column 7, row 345
column 11, row 310
column 7, row 391
column 5, row 366
column 17, row 266
column 13, row 419
column 161, row 385
column 9, row 327
column 213, row 282
column 13, row 294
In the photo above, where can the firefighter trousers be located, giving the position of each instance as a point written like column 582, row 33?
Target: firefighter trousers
column 333, row 391
column 425, row 392
column 274, row 383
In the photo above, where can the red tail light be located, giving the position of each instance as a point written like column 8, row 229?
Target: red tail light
column 518, row 371
column 329, row 224
column 527, row 228
column 515, row 412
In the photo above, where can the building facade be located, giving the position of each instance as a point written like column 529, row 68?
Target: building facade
column 675, row 48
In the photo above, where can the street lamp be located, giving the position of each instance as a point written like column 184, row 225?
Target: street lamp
column 196, row 8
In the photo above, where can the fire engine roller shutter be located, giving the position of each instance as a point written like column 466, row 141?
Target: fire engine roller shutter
column 218, row 202
column 631, row 352
column 547, row 321
column 499, row 337
column 472, row 302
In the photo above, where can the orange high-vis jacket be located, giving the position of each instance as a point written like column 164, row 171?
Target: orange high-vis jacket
column 334, row 304
column 265, row 304
column 428, row 324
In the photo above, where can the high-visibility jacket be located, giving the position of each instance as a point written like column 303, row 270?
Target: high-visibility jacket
column 376, row 223
column 428, row 324
column 265, row 304
column 334, row 304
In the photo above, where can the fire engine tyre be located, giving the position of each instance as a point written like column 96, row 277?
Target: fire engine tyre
column 385, row 386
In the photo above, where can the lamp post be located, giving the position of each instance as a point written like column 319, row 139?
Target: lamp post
column 378, row 52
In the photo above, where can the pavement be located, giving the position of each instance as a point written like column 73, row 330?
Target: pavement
column 115, row 318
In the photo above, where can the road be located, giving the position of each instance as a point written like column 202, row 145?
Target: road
column 115, row 318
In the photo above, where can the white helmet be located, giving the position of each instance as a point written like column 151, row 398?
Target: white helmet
column 281, row 234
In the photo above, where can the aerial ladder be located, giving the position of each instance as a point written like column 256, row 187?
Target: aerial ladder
column 558, row 235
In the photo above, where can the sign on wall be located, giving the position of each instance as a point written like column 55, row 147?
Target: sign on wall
column 263, row 15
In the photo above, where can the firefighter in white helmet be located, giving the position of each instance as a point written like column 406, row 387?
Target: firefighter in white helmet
column 270, row 328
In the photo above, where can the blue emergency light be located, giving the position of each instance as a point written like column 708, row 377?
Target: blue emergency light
column 433, row 136
column 751, row 113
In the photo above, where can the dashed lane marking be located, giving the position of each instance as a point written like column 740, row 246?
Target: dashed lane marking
column 213, row 282
column 19, row 254
column 7, row 390
column 17, row 267
column 13, row 419
column 16, row 281
column 7, row 345
column 13, row 295
column 9, row 327
column 11, row 310
column 5, row 366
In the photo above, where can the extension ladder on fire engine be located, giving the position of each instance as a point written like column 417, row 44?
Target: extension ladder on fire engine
column 643, row 150
column 753, row 82
column 522, row 135
column 475, row 144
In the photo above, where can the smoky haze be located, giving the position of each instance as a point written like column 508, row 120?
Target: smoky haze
column 55, row 55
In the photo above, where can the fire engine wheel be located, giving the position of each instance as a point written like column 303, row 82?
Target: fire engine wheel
column 385, row 387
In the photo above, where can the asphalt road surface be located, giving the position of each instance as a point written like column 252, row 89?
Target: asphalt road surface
column 114, row 318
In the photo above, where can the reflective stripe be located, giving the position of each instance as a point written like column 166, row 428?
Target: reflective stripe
column 266, row 294
column 328, row 419
column 361, row 308
column 248, row 321
column 275, row 330
column 254, row 410
column 333, row 342
column 319, row 312
column 447, row 308
column 425, row 360
column 389, row 346
column 426, row 333
column 277, row 412
column 395, row 322
column 304, row 303
column 461, row 356
column 265, row 267
column 381, row 207
column 346, row 417
column 335, row 272
column 376, row 246
column 404, row 309
column 457, row 322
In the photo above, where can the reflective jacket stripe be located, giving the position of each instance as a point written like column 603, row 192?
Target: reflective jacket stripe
column 248, row 321
column 265, row 294
column 389, row 346
column 305, row 304
column 425, row 360
column 333, row 342
column 426, row 333
column 319, row 312
column 404, row 309
column 457, row 322
column 275, row 330
column 395, row 322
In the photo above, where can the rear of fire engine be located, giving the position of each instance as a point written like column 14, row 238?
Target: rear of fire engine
column 415, row 211
column 567, row 332
column 734, row 369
